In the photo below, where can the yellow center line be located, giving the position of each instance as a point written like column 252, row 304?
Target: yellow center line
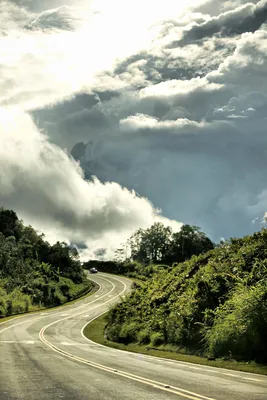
column 155, row 384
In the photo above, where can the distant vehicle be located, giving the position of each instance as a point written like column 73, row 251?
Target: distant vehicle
column 93, row 271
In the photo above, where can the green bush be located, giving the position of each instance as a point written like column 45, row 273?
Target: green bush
column 156, row 339
column 9, row 307
column 128, row 333
column 2, row 311
column 214, row 303
column 240, row 325
column 32, row 272
column 143, row 337
column 18, row 307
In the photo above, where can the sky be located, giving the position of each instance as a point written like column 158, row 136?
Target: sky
column 116, row 115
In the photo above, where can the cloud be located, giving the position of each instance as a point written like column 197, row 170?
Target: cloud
column 182, row 126
column 59, row 61
column 179, row 88
column 61, row 18
column 194, row 146
column 151, row 124
column 48, row 189
column 248, row 57
column 13, row 17
column 245, row 18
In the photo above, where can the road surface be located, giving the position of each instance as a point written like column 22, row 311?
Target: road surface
column 44, row 356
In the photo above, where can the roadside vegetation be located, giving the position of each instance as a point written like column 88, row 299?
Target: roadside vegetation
column 34, row 274
column 152, row 250
column 95, row 331
column 213, row 304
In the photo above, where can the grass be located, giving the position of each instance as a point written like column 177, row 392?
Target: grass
column 95, row 332
column 36, row 309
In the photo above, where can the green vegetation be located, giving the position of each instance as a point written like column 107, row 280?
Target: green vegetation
column 158, row 244
column 153, row 250
column 34, row 274
column 95, row 331
column 132, row 269
column 213, row 304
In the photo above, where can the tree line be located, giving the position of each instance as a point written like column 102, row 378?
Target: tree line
column 149, row 250
column 34, row 273
column 159, row 244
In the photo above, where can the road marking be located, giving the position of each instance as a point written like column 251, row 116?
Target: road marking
column 48, row 314
column 253, row 379
column 244, row 377
column 73, row 344
column 18, row 341
column 203, row 368
column 234, row 376
column 155, row 384
column 159, row 385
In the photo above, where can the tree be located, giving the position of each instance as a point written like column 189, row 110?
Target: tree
column 32, row 271
column 159, row 244
column 9, row 223
column 151, row 245
column 187, row 242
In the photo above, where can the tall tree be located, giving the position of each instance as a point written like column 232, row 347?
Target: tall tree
column 9, row 223
column 189, row 241
column 151, row 245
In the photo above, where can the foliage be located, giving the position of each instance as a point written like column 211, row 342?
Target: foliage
column 32, row 272
column 212, row 304
column 132, row 269
column 153, row 250
column 159, row 244
column 240, row 325
column 150, row 245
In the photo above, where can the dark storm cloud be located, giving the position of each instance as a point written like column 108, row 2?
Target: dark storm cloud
column 183, row 126
column 45, row 186
column 246, row 18
column 80, row 116
column 158, row 68
column 193, row 172
column 206, row 168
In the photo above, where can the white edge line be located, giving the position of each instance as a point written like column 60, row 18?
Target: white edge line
column 48, row 314
column 176, row 362
column 185, row 393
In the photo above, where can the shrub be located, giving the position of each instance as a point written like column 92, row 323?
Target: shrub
column 18, row 307
column 240, row 325
column 143, row 337
column 156, row 339
column 2, row 311
column 58, row 297
column 9, row 307
column 128, row 333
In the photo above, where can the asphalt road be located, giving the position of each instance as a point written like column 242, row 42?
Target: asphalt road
column 45, row 356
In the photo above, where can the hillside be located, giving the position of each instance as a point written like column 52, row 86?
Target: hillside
column 33, row 273
column 214, row 304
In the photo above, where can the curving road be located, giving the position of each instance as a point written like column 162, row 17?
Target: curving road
column 45, row 356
